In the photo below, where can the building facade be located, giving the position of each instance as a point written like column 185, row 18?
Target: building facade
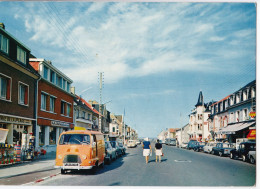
column 18, row 88
column 55, row 104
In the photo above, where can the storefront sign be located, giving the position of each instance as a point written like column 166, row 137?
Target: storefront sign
column 251, row 135
column 252, row 114
column 59, row 123
column 14, row 120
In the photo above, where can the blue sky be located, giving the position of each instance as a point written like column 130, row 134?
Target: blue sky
column 156, row 57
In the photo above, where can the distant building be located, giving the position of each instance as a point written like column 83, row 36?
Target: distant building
column 182, row 135
column 171, row 132
column 162, row 136
column 198, row 120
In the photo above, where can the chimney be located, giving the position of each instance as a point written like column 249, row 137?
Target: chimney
column 2, row 25
column 72, row 90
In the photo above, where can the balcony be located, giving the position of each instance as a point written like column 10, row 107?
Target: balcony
column 83, row 120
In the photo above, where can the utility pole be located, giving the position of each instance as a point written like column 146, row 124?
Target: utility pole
column 124, row 126
column 100, row 100
column 181, row 129
column 202, row 117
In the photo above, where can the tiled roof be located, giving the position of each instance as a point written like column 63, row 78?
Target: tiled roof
column 88, row 105
column 172, row 130
column 221, row 100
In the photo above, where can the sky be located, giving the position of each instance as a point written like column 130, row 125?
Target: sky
column 155, row 57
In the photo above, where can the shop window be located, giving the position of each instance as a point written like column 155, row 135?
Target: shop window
column 23, row 93
column 41, row 135
column 52, row 104
column 5, row 87
column 62, row 110
column 4, row 44
column 68, row 109
column 43, row 101
column 21, row 55
column 52, row 135
column 17, row 134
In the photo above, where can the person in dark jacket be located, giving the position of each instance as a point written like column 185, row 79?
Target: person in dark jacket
column 158, row 150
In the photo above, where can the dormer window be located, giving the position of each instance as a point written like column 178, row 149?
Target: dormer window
column 21, row 55
column 4, row 44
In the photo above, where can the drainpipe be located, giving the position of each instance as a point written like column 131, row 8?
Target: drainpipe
column 36, row 110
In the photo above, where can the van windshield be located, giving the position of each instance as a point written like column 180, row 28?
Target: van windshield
column 74, row 139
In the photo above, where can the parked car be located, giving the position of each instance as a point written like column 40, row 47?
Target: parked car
column 110, row 152
column 137, row 142
column 131, row 144
column 199, row 146
column 222, row 149
column 172, row 142
column 208, row 147
column 191, row 144
column 184, row 145
column 121, row 146
column 243, row 150
column 252, row 157
column 114, row 144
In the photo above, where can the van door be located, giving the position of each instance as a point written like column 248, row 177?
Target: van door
column 94, row 147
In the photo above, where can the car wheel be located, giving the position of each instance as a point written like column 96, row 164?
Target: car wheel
column 62, row 171
column 244, row 158
column 231, row 156
column 212, row 152
column 220, row 154
column 252, row 160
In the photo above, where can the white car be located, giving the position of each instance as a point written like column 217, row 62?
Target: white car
column 184, row 145
column 208, row 147
column 131, row 144
column 252, row 156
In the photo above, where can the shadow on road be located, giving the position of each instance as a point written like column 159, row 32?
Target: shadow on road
column 154, row 160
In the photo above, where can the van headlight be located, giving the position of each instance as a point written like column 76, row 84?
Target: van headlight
column 84, row 156
column 59, row 156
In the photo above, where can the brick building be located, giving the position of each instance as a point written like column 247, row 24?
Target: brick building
column 18, row 88
column 55, row 104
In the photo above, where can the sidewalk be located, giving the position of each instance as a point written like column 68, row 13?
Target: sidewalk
column 45, row 162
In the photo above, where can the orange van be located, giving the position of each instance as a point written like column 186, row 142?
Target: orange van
column 80, row 149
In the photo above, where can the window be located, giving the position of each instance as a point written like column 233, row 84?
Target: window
column 114, row 129
column 52, row 104
column 62, row 110
column 231, row 117
column 74, row 139
column 68, row 87
column 52, row 76
column 68, row 109
column 64, row 84
column 23, row 94
column 88, row 116
column 43, row 101
column 41, row 135
column 5, row 87
column 237, row 116
column 253, row 92
column 83, row 114
column 45, row 72
column 4, row 43
column 21, row 55
column 52, row 135
column 245, row 95
column 238, row 98
column 59, row 81
column 245, row 116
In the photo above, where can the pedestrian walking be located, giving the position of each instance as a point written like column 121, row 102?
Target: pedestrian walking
column 147, row 149
column 158, row 151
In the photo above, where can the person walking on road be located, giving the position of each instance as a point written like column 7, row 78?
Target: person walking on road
column 147, row 150
column 158, row 150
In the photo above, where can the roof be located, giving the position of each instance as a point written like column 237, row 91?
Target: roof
column 221, row 100
column 200, row 100
column 247, row 85
column 172, row 130
column 82, row 132
column 87, row 104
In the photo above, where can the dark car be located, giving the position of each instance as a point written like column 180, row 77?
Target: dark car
column 121, row 146
column 199, row 146
column 243, row 149
column 114, row 145
column 191, row 144
column 222, row 149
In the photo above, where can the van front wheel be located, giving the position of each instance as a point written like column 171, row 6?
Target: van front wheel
column 62, row 171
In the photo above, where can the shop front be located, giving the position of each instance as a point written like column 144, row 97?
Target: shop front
column 17, row 140
column 48, row 132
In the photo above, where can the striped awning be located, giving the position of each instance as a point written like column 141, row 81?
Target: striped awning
column 232, row 129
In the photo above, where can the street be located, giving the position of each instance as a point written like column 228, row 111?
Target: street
column 179, row 167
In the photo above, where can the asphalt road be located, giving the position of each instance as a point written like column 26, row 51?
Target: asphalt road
column 179, row 167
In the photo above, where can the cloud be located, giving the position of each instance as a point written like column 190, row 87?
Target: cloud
column 137, row 39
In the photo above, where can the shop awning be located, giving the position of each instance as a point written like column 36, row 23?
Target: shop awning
column 231, row 129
